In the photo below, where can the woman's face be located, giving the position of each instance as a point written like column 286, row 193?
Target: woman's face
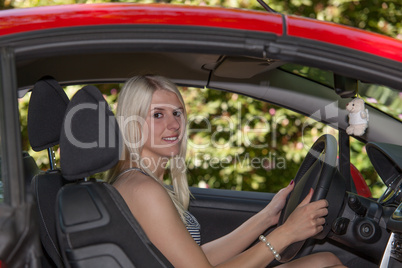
column 164, row 127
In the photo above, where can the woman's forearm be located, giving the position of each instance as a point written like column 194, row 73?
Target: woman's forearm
column 260, row 255
column 232, row 244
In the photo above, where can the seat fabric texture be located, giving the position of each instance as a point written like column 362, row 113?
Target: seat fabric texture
column 31, row 169
column 47, row 106
column 45, row 187
column 46, row 111
column 95, row 226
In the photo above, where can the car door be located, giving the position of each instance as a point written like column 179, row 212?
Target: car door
column 221, row 211
column 18, row 227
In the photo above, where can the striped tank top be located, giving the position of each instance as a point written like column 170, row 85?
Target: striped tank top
column 193, row 227
column 192, row 224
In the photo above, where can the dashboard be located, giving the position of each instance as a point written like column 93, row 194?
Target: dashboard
column 387, row 161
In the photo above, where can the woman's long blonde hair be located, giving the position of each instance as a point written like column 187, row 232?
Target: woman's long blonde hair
column 133, row 105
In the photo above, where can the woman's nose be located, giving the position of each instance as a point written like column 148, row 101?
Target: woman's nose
column 174, row 123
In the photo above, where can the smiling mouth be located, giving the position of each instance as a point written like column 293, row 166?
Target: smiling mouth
column 171, row 139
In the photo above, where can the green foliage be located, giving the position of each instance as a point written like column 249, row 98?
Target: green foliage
column 383, row 98
column 235, row 142
column 239, row 143
column 258, row 145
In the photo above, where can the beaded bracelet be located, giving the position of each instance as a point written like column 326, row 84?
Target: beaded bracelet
column 276, row 254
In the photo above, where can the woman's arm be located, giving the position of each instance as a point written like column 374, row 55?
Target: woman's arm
column 154, row 210
column 237, row 241
column 306, row 221
column 157, row 215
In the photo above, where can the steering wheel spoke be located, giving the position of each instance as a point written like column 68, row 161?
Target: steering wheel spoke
column 318, row 171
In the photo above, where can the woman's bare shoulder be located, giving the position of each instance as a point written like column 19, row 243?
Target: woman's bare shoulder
column 133, row 180
column 145, row 187
column 138, row 188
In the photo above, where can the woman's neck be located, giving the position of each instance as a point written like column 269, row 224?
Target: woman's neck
column 159, row 172
column 156, row 165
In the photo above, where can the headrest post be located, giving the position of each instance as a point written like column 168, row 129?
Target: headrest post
column 52, row 158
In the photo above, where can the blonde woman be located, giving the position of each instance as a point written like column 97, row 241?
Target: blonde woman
column 152, row 117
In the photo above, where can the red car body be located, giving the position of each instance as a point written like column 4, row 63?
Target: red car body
column 20, row 20
column 20, row 27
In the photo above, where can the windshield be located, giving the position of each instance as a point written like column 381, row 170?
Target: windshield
column 318, row 75
column 383, row 98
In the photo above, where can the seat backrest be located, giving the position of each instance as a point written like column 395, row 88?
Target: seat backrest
column 95, row 226
column 46, row 111
column 31, row 169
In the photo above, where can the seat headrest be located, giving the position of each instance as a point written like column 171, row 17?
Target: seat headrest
column 46, row 110
column 90, row 136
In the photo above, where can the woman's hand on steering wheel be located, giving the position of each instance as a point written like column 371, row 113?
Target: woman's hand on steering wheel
column 274, row 208
column 306, row 220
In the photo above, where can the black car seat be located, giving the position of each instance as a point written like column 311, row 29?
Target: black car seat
column 46, row 111
column 31, row 169
column 95, row 226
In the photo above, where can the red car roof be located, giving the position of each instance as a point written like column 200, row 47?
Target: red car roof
column 341, row 35
column 30, row 19
column 51, row 17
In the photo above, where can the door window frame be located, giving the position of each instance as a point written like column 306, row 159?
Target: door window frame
column 11, row 152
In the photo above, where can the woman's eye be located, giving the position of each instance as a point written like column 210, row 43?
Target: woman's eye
column 177, row 113
column 158, row 115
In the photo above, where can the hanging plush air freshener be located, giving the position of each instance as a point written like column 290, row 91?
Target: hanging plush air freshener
column 358, row 117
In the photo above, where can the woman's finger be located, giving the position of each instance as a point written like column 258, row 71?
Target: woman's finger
column 320, row 221
column 322, row 212
column 319, row 204
column 307, row 199
column 287, row 189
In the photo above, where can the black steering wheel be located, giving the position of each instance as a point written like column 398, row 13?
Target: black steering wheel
column 317, row 171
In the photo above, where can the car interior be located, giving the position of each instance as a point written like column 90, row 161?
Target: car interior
column 83, row 222
column 89, row 209
column 94, row 221
column 45, row 120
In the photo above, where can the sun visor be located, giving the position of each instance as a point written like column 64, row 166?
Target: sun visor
column 386, row 159
column 244, row 68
